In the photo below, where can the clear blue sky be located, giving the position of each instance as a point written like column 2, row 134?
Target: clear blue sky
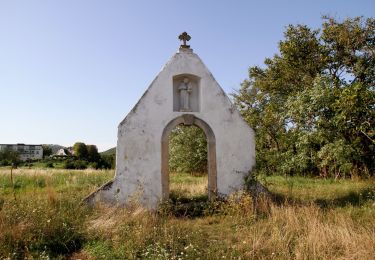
column 71, row 70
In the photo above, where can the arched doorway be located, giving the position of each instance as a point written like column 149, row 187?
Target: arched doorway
column 189, row 119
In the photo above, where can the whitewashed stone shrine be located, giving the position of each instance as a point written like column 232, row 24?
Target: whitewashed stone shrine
column 184, row 92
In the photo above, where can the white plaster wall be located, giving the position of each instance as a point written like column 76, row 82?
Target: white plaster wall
column 138, row 162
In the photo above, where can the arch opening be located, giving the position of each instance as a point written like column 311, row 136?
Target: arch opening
column 189, row 120
column 188, row 176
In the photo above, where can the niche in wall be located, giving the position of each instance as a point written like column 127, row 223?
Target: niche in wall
column 186, row 94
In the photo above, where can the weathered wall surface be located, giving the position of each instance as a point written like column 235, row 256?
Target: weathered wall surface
column 138, row 162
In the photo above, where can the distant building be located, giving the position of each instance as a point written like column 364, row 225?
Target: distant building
column 63, row 152
column 26, row 151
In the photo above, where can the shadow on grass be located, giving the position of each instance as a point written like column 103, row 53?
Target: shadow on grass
column 353, row 198
column 181, row 206
column 188, row 207
column 358, row 198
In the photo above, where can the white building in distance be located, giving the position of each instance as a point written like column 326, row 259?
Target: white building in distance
column 26, row 151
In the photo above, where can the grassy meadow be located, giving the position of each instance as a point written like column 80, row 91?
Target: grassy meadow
column 42, row 217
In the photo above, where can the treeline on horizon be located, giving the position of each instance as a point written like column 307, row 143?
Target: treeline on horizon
column 83, row 156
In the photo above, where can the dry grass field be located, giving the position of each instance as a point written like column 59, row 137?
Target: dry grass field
column 41, row 217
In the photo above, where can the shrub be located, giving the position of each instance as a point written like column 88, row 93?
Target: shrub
column 69, row 164
column 4, row 163
column 80, row 164
column 49, row 165
column 75, row 164
column 108, row 161
column 93, row 165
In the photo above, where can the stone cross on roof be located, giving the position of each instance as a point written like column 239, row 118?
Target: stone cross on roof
column 184, row 37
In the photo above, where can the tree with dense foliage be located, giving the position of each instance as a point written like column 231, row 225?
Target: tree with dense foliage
column 92, row 153
column 80, row 150
column 88, row 156
column 108, row 161
column 47, row 150
column 9, row 157
column 188, row 150
column 312, row 105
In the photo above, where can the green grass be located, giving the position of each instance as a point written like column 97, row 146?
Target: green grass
column 26, row 180
column 316, row 190
column 57, row 164
column 188, row 186
column 314, row 219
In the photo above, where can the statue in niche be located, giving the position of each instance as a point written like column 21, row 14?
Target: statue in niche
column 185, row 89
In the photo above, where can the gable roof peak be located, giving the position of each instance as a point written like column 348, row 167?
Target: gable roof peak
column 185, row 50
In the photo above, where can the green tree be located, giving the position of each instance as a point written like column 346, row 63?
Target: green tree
column 188, row 150
column 9, row 157
column 92, row 153
column 312, row 105
column 47, row 150
column 108, row 161
column 80, row 150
